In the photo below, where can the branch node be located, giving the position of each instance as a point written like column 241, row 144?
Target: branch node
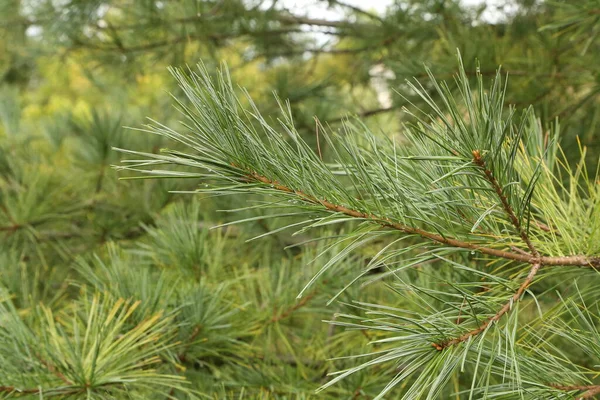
column 478, row 160
column 496, row 317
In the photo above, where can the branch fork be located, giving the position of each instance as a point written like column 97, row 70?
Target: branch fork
column 589, row 391
column 534, row 258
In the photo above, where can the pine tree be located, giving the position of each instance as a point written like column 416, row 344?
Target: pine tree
column 475, row 189
column 441, row 245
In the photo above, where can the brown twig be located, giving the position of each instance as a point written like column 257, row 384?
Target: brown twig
column 14, row 226
column 520, row 251
column 572, row 260
column 589, row 390
column 15, row 390
column 10, row 228
column 536, row 259
column 295, row 307
column 459, row 318
column 478, row 160
column 515, row 297
column 544, row 227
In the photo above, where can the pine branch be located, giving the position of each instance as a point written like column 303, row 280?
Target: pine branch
column 515, row 297
column 574, row 260
column 478, row 160
column 289, row 311
column 590, row 390
column 54, row 371
column 16, row 391
column 10, row 228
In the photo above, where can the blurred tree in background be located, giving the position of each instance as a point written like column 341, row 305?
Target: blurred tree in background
column 119, row 289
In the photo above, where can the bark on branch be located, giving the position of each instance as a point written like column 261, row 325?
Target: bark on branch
column 496, row 317
column 572, row 260
column 589, row 390
column 535, row 259
column 478, row 160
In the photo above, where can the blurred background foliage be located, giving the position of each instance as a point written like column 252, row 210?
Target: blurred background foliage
column 84, row 255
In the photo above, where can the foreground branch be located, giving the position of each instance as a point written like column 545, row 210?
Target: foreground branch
column 515, row 297
column 574, row 260
column 505, row 205
column 291, row 310
column 590, row 390
column 536, row 260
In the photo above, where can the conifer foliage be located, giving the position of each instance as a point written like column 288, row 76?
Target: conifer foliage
column 438, row 242
column 481, row 219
